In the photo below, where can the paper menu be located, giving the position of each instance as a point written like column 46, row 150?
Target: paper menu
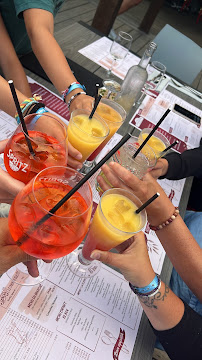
column 76, row 319
column 174, row 126
column 53, row 102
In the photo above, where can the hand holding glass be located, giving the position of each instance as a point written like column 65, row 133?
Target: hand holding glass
column 114, row 222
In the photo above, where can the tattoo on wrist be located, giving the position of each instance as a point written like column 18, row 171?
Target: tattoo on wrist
column 151, row 301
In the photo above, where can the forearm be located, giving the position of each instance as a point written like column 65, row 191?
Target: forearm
column 13, row 70
column 184, row 253
column 6, row 100
column 189, row 163
column 164, row 310
column 10, row 64
column 55, row 64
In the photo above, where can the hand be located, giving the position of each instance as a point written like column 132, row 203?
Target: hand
column 73, row 157
column 133, row 260
column 11, row 254
column 159, row 210
column 9, row 187
column 81, row 102
column 73, row 154
column 160, row 169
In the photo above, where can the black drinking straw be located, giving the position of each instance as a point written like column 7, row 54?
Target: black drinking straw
column 147, row 203
column 151, row 133
column 96, row 91
column 95, row 106
column 76, row 187
column 15, row 98
column 170, row 146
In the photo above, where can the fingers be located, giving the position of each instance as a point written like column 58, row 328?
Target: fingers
column 2, row 145
column 32, row 268
column 9, row 185
column 73, row 163
column 109, row 258
column 126, row 176
column 74, row 152
column 73, row 157
column 113, row 178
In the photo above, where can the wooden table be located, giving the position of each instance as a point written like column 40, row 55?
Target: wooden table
column 71, row 41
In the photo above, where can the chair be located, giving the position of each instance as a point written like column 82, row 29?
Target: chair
column 181, row 56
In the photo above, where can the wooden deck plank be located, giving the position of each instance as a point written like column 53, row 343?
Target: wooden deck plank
column 71, row 32
column 75, row 13
column 76, row 10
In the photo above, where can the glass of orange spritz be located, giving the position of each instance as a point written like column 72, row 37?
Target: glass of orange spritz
column 48, row 137
column 36, row 231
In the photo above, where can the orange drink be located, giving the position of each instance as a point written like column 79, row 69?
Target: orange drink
column 114, row 115
column 86, row 134
column 114, row 221
column 59, row 233
column 50, row 147
column 158, row 142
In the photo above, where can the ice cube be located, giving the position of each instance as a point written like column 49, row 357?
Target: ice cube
column 116, row 217
column 121, row 206
column 96, row 132
column 52, row 201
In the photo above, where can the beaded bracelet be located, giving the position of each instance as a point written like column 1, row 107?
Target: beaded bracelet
column 74, row 96
column 167, row 222
column 73, row 86
column 149, row 290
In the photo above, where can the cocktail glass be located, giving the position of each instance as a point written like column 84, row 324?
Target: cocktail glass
column 110, row 89
column 119, row 49
column 35, row 230
column 114, row 222
column 86, row 134
column 145, row 160
column 114, row 115
column 48, row 137
column 157, row 75
column 158, row 142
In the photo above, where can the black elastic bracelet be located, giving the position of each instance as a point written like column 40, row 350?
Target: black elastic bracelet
column 35, row 108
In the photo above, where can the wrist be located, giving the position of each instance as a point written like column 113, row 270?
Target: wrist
column 144, row 278
column 148, row 290
column 161, row 214
column 73, row 89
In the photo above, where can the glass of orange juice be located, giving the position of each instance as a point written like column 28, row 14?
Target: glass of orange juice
column 158, row 142
column 114, row 115
column 114, row 222
column 86, row 134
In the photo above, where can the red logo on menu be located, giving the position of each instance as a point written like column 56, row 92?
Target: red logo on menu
column 119, row 344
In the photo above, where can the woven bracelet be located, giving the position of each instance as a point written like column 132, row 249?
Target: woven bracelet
column 26, row 104
column 167, row 222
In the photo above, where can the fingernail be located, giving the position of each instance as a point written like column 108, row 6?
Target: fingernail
column 78, row 157
column 111, row 163
column 79, row 167
column 95, row 255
